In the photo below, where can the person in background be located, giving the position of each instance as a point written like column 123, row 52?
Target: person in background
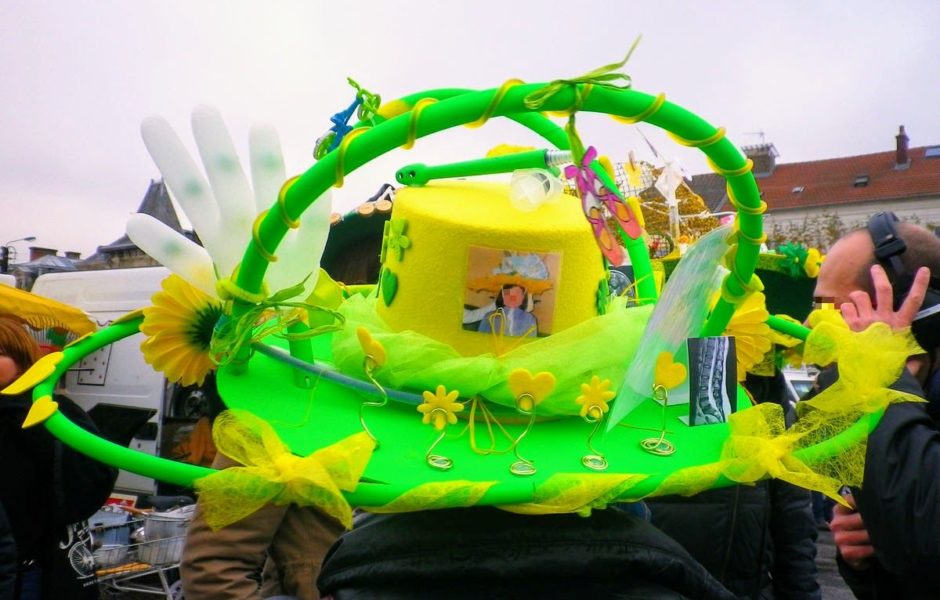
column 887, row 543
column 758, row 540
column 278, row 550
column 46, row 488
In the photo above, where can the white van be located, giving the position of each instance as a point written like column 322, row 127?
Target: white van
column 114, row 384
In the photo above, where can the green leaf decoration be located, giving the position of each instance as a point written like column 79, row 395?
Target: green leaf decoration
column 395, row 239
column 389, row 286
column 603, row 296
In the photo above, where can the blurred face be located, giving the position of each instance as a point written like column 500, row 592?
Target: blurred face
column 9, row 371
column 513, row 296
column 846, row 263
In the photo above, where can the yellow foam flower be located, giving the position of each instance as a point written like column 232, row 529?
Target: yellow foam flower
column 179, row 329
column 752, row 335
column 441, row 406
column 594, row 397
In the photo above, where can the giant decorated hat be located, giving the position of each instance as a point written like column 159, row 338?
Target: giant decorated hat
column 490, row 363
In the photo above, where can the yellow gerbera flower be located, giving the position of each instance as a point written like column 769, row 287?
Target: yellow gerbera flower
column 751, row 333
column 441, row 406
column 594, row 397
column 179, row 330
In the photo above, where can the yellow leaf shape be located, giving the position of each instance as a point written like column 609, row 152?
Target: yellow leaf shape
column 41, row 410
column 669, row 374
column 41, row 369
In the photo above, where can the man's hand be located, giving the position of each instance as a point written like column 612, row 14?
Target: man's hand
column 850, row 536
column 859, row 312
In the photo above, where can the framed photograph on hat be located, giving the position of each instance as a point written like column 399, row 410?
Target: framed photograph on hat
column 510, row 293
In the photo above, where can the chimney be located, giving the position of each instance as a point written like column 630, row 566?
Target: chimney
column 902, row 160
column 73, row 255
column 764, row 156
column 37, row 252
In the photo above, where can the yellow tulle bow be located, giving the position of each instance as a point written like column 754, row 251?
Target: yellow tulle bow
column 760, row 446
column 864, row 374
column 271, row 473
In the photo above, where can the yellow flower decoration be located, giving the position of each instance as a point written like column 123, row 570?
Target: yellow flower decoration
column 752, row 334
column 812, row 263
column 371, row 348
column 668, row 374
column 441, row 406
column 594, row 397
column 179, row 329
column 529, row 389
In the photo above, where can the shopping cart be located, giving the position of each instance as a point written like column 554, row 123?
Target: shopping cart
column 138, row 552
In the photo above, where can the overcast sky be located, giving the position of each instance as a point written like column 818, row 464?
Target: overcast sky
column 819, row 79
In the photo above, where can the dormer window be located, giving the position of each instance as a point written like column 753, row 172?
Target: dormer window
column 860, row 181
column 798, row 189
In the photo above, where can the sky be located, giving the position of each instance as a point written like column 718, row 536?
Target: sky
column 817, row 79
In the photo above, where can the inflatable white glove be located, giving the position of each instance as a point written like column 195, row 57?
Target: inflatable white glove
column 222, row 205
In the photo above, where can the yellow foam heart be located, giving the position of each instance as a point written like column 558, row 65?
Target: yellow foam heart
column 41, row 410
column 668, row 374
column 530, row 389
column 41, row 369
column 371, row 347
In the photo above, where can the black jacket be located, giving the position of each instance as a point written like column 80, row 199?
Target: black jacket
column 8, row 562
column 487, row 553
column 758, row 541
column 44, row 485
column 900, row 503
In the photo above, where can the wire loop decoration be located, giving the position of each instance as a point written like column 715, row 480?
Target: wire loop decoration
column 595, row 460
column 525, row 404
column 660, row 446
column 369, row 364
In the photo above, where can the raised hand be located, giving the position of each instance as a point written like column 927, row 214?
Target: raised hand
column 859, row 313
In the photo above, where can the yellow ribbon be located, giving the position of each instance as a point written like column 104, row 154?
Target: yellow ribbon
column 271, row 473
column 864, row 375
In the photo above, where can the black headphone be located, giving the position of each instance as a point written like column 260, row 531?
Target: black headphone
column 888, row 249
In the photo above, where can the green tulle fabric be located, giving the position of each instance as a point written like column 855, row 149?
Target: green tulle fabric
column 601, row 346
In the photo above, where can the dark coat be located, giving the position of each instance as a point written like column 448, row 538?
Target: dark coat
column 45, row 484
column 900, row 503
column 758, row 541
column 8, row 562
column 488, row 553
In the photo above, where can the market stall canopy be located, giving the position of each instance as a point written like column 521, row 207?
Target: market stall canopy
column 43, row 313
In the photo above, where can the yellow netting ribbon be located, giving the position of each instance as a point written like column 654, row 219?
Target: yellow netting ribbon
column 271, row 473
column 759, row 446
column 575, row 493
column 869, row 362
column 434, row 495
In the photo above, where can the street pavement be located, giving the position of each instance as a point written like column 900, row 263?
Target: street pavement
column 833, row 588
